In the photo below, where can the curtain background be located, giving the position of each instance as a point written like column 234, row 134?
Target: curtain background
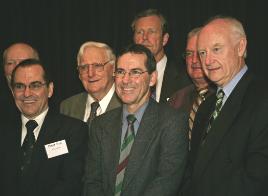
column 57, row 28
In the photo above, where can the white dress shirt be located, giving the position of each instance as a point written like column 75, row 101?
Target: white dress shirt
column 160, row 68
column 103, row 103
column 39, row 119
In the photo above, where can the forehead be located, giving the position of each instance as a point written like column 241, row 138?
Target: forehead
column 148, row 22
column 29, row 73
column 213, row 34
column 94, row 54
column 19, row 51
column 131, row 61
column 192, row 43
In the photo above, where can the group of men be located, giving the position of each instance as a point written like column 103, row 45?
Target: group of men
column 118, row 138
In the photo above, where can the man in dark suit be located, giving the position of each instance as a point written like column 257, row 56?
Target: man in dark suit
column 13, row 55
column 229, row 154
column 150, row 158
column 151, row 30
column 44, row 151
column 96, row 67
column 190, row 97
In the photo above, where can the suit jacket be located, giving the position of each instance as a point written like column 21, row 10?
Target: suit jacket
column 157, row 158
column 175, row 78
column 75, row 106
column 233, row 160
column 183, row 99
column 57, row 176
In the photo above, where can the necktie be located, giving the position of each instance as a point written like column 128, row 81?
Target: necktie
column 215, row 113
column 27, row 146
column 93, row 111
column 197, row 102
column 124, row 154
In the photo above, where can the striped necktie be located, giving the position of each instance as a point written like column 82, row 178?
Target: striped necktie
column 201, row 96
column 215, row 113
column 93, row 111
column 124, row 154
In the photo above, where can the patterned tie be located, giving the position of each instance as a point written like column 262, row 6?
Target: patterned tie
column 27, row 146
column 215, row 113
column 124, row 154
column 201, row 96
column 93, row 111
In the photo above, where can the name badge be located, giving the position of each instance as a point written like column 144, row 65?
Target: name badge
column 56, row 148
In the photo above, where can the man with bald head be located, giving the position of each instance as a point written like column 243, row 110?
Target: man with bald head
column 229, row 146
column 12, row 56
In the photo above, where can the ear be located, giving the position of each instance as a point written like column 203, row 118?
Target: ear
column 50, row 89
column 242, row 45
column 165, row 39
column 153, row 79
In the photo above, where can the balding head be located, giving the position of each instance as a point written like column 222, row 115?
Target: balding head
column 14, row 54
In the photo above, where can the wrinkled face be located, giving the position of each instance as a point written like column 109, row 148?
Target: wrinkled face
column 193, row 63
column 31, row 102
column 221, row 53
column 14, row 56
column 97, row 83
column 148, row 32
column 134, row 91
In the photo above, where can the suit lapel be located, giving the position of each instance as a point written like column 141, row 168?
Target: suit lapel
column 114, row 103
column 46, row 136
column 221, row 125
column 143, row 139
column 112, row 130
column 80, row 106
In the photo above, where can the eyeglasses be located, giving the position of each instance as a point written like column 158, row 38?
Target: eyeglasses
column 99, row 67
column 34, row 86
column 188, row 54
column 133, row 73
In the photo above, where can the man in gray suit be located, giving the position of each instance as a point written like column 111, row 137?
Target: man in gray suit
column 95, row 66
column 145, row 156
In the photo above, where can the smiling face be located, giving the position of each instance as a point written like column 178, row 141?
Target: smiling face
column 148, row 32
column 31, row 102
column 96, row 83
column 221, row 52
column 134, row 92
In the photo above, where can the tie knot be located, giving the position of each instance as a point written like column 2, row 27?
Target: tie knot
column 220, row 94
column 31, row 125
column 94, row 106
column 131, row 119
column 202, row 92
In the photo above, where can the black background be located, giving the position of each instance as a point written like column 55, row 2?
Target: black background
column 57, row 29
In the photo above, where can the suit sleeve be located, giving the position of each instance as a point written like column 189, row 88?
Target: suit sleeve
column 93, row 172
column 172, row 158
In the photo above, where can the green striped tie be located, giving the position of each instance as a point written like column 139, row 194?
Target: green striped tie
column 124, row 154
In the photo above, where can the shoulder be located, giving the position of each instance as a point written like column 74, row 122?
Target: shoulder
column 75, row 98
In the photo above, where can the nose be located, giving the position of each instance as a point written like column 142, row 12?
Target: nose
column 91, row 71
column 195, row 58
column 126, row 78
column 145, row 35
column 27, row 91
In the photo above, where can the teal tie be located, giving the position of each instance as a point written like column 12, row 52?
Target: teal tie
column 124, row 154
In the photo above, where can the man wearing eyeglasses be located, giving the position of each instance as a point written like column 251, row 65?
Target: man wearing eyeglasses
column 139, row 148
column 13, row 55
column 44, row 151
column 190, row 97
column 150, row 28
column 95, row 65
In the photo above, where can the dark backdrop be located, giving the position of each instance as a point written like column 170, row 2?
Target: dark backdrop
column 57, row 28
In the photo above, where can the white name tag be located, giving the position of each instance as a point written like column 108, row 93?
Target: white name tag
column 56, row 148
